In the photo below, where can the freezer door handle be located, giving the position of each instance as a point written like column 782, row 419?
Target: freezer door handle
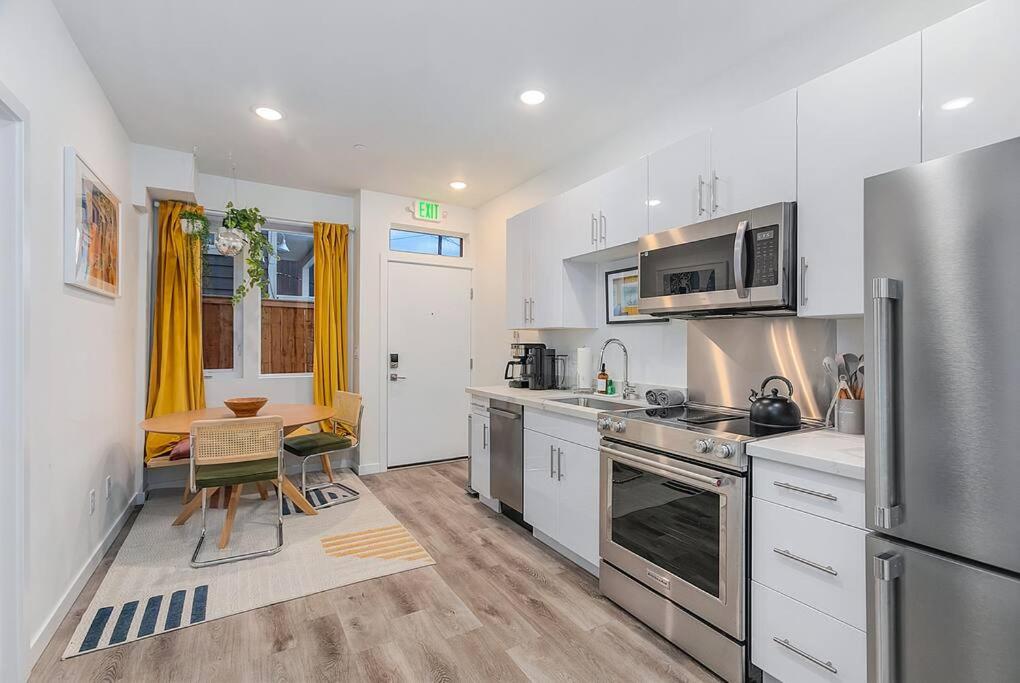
column 887, row 567
column 885, row 293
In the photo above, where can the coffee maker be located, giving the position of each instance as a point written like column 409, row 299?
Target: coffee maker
column 545, row 370
column 518, row 370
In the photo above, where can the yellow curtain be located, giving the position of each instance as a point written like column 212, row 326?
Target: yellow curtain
column 175, row 359
column 329, row 364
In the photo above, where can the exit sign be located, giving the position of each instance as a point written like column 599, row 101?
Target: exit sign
column 427, row 211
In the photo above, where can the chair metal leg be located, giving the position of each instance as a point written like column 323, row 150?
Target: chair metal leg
column 242, row 556
column 347, row 494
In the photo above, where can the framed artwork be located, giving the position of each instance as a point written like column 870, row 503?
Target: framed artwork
column 622, row 298
column 91, row 229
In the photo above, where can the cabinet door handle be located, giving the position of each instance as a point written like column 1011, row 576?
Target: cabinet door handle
column 817, row 494
column 485, row 436
column 531, row 316
column 602, row 222
column 803, row 280
column 525, row 315
column 785, row 642
column 701, row 195
column 594, row 230
column 715, row 192
column 552, row 449
column 803, row 560
column 559, row 464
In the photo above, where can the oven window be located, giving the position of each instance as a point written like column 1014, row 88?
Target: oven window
column 691, row 268
column 669, row 523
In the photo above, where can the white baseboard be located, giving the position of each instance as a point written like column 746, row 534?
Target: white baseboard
column 368, row 468
column 567, row 553
column 41, row 638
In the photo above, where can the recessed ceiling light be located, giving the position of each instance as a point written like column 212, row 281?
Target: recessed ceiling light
column 458, row 184
column 958, row 103
column 268, row 113
column 360, row 147
column 532, row 97
column 653, row 202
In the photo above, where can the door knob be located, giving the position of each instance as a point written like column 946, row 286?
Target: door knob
column 394, row 377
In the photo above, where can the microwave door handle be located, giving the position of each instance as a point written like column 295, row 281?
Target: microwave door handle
column 738, row 259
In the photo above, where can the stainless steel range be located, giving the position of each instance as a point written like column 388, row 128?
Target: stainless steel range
column 673, row 529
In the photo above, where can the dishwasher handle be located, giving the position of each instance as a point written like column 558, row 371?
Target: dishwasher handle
column 504, row 413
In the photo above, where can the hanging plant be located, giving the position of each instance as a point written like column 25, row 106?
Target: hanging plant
column 242, row 228
column 195, row 224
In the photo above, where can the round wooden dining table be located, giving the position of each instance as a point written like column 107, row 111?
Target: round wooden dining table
column 294, row 415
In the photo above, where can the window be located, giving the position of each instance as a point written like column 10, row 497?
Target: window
column 288, row 307
column 217, row 310
column 426, row 243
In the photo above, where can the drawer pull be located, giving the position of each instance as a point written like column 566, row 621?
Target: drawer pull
column 791, row 487
column 803, row 560
column 796, row 650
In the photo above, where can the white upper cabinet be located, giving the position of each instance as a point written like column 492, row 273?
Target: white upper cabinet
column 857, row 121
column 546, row 296
column 623, row 212
column 973, row 56
column 581, row 233
column 518, row 267
column 677, row 183
column 754, row 157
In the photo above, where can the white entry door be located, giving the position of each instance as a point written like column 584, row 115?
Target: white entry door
column 430, row 340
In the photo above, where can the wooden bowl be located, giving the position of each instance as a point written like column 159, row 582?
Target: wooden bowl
column 246, row 407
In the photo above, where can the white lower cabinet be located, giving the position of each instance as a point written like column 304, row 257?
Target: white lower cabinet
column 808, row 593
column 795, row 643
column 561, row 492
column 480, row 438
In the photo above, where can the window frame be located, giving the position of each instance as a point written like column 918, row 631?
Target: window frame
column 215, row 225
column 423, row 230
column 293, row 230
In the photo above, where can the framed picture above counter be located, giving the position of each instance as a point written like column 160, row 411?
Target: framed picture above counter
column 622, row 298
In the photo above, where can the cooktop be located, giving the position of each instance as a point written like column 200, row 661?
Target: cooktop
column 709, row 418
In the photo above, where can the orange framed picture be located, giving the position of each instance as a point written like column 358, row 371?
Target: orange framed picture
column 92, row 241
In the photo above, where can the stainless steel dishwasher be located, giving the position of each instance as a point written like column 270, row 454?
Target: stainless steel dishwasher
column 506, row 453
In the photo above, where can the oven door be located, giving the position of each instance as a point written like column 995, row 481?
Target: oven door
column 678, row 528
column 734, row 263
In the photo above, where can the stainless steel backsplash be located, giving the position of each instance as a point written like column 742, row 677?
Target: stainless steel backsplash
column 728, row 358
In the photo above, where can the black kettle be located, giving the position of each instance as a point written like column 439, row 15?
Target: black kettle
column 774, row 410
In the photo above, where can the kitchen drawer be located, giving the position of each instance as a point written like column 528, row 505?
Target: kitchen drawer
column 834, row 583
column 820, row 493
column 815, row 648
column 479, row 404
column 574, row 429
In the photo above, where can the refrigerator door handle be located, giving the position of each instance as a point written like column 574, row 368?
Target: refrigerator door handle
column 885, row 293
column 887, row 568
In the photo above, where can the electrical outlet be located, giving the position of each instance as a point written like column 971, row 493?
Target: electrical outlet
column 109, row 487
column 92, row 501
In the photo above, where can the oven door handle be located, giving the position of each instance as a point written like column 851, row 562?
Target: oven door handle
column 668, row 469
column 738, row 259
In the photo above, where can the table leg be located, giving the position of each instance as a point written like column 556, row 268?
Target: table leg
column 193, row 505
column 294, row 494
column 228, row 524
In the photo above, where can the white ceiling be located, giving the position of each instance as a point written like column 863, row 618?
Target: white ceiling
column 429, row 87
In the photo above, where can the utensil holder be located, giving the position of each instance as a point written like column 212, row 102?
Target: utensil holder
column 850, row 416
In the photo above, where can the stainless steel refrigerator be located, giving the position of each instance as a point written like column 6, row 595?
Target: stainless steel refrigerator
column 942, row 272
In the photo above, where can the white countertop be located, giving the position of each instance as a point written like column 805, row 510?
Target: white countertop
column 542, row 400
column 825, row 450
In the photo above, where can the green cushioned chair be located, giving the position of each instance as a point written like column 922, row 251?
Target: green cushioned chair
column 346, row 423
column 234, row 452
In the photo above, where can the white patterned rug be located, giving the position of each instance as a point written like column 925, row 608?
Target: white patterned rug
column 151, row 588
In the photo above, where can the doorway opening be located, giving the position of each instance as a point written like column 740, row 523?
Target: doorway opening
column 13, row 644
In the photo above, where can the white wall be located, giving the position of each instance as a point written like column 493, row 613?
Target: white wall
column 377, row 212
column 794, row 61
column 80, row 347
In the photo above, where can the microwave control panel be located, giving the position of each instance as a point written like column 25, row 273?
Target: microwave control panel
column 765, row 256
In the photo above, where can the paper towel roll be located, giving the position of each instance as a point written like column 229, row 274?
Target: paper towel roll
column 584, row 368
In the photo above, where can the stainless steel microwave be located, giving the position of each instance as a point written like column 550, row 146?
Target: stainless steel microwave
column 735, row 265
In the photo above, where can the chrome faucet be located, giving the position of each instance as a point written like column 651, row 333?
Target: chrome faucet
column 629, row 393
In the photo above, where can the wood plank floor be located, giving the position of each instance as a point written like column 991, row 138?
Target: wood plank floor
column 497, row 606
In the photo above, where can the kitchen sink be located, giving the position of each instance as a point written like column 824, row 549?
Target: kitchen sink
column 597, row 403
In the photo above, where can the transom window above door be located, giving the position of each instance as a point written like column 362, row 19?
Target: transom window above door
column 432, row 244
